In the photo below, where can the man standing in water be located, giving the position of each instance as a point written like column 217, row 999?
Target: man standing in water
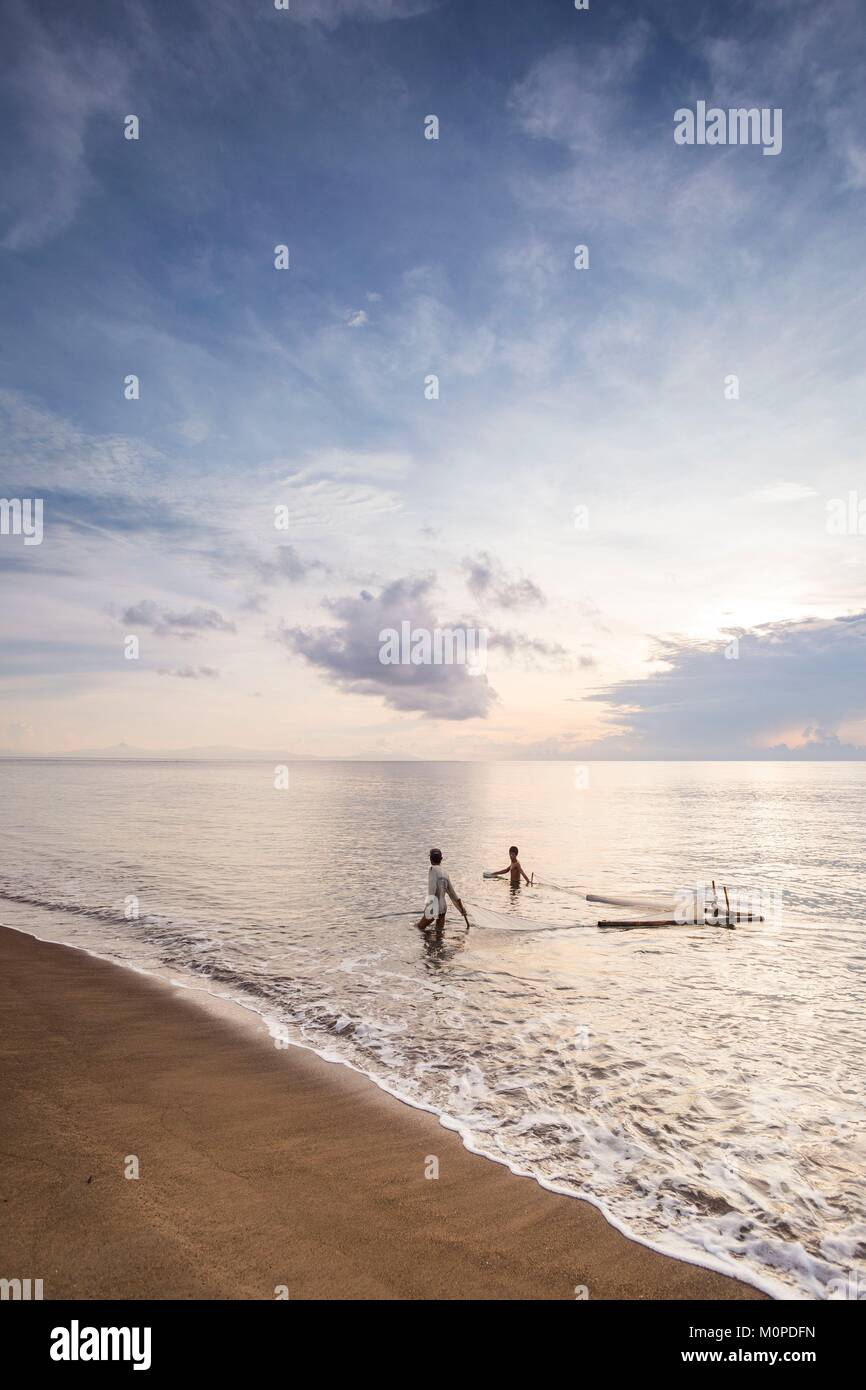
column 438, row 884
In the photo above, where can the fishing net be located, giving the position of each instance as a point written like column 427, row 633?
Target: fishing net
column 487, row 919
column 651, row 908
column 683, row 907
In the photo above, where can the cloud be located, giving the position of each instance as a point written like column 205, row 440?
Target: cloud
column 573, row 93
column 821, row 745
column 283, row 563
column 331, row 13
column 287, row 565
column 601, row 105
column 344, row 484
column 599, row 388
column 815, row 56
column 784, row 492
column 192, row 673
column 531, row 651
column 29, row 560
column 149, row 614
column 347, row 654
column 856, row 156
column 122, row 514
column 74, row 465
column 196, row 431
column 357, row 319
column 787, row 692
column 59, row 85
column 488, row 579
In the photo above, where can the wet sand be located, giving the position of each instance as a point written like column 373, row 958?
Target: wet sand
column 260, row 1169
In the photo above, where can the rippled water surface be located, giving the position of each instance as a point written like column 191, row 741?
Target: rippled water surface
column 703, row 1086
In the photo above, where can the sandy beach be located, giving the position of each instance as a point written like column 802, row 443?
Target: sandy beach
column 259, row 1167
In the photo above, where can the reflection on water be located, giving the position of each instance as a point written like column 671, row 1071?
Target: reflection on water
column 704, row 1086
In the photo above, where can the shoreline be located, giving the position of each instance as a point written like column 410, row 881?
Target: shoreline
column 259, row 1167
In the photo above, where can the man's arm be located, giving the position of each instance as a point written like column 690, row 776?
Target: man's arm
column 498, row 872
column 452, row 893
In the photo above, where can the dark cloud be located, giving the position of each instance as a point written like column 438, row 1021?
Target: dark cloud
column 488, row 579
column 788, row 680
column 348, row 654
column 161, row 620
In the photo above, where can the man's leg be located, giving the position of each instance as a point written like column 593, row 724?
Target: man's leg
column 428, row 917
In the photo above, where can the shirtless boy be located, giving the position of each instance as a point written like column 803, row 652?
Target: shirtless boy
column 514, row 868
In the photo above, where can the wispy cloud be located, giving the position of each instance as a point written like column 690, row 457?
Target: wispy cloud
column 282, row 563
column 572, row 94
column 60, row 84
column 191, row 673
column 529, row 651
column 330, row 13
column 784, row 492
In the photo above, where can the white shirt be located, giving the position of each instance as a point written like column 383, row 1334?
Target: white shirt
column 438, row 884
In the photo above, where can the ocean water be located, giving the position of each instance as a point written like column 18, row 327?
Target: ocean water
column 704, row 1087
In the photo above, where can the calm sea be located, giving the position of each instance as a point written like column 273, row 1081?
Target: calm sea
column 704, row 1087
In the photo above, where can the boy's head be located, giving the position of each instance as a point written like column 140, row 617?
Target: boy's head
column 435, row 856
column 513, row 851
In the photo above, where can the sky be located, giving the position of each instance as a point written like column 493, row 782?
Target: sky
column 631, row 476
